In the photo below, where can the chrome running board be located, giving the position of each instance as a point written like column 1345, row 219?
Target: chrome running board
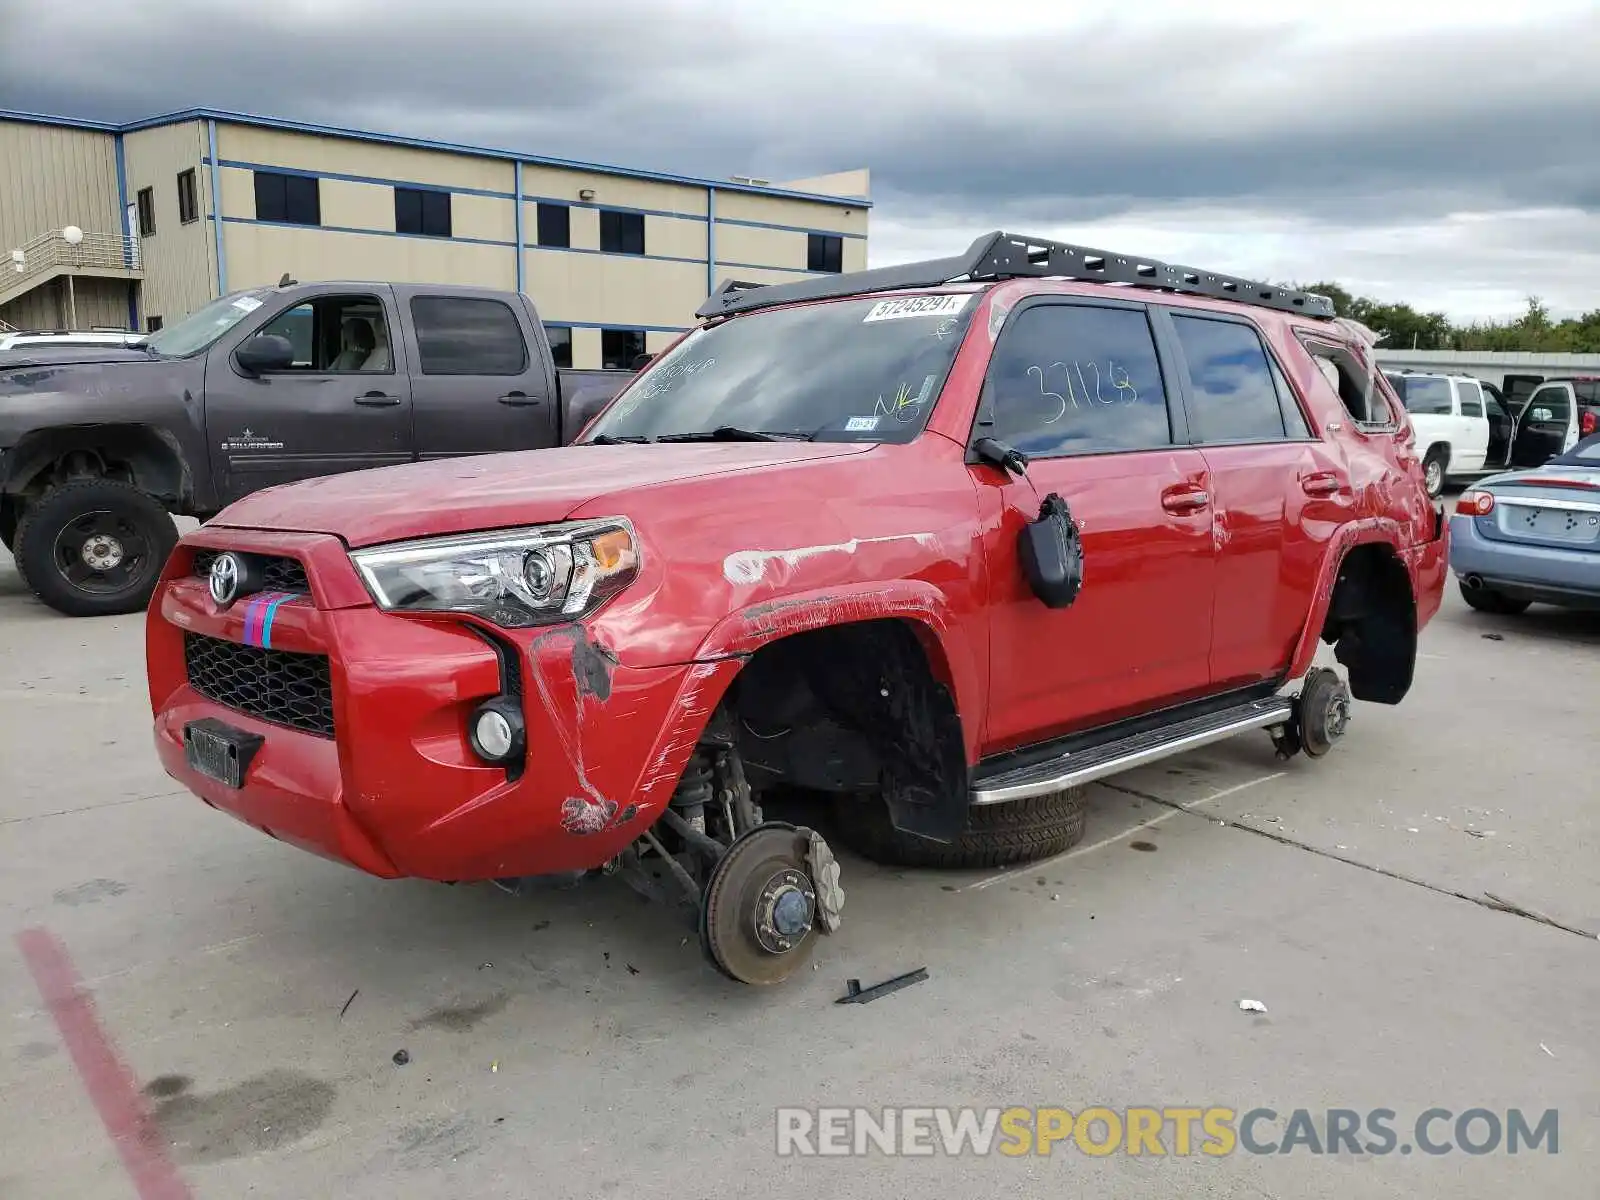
column 1110, row 758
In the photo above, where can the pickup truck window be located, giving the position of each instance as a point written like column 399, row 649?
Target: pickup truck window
column 1428, row 395
column 1078, row 379
column 204, row 326
column 336, row 334
column 459, row 335
column 850, row 370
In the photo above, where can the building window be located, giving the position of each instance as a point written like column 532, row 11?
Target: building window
column 824, row 252
column 188, row 198
column 621, row 232
column 422, row 212
column 461, row 336
column 619, row 347
column 152, row 324
column 555, row 225
column 560, row 344
column 290, row 199
column 147, row 211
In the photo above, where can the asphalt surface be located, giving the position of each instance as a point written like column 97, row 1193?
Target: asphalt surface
column 190, row 1009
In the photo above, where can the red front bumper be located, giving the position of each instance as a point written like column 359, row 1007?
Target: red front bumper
column 398, row 791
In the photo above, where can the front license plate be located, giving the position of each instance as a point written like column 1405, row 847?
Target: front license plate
column 219, row 751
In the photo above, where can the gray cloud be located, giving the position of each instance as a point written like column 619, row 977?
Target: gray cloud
column 1371, row 131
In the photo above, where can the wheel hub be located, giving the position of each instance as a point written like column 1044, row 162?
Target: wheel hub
column 784, row 911
column 1338, row 714
column 102, row 552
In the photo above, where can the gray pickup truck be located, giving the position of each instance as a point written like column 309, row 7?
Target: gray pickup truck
column 98, row 445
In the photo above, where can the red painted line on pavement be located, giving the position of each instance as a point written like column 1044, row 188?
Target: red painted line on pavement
column 110, row 1084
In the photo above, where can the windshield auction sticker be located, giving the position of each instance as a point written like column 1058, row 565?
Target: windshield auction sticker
column 916, row 306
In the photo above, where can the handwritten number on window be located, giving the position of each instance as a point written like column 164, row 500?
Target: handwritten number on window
column 1117, row 377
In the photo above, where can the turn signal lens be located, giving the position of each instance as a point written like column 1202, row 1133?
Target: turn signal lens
column 1475, row 504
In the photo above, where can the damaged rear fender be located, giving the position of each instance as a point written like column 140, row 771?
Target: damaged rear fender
column 1364, row 568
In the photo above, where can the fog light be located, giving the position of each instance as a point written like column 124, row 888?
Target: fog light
column 496, row 730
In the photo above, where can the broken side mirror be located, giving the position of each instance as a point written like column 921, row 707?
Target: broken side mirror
column 998, row 454
column 1052, row 554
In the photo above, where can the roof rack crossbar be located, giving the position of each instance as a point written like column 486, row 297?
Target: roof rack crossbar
column 996, row 256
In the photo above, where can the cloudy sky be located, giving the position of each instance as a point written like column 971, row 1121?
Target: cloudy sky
column 1447, row 154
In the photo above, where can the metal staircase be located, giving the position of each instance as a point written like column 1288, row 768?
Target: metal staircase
column 51, row 255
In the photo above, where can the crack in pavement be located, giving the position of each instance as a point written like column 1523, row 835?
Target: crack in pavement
column 1483, row 899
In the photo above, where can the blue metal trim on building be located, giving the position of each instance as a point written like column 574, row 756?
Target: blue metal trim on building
column 624, row 328
column 127, row 236
column 744, row 266
column 421, row 237
column 213, row 115
column 711, row 240
column 789, row 228
column 516, row 175
column 216, row 210
column 372, row 179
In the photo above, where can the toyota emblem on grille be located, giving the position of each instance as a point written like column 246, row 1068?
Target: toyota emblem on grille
column 224, row 581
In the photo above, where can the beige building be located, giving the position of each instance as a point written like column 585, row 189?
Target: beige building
column 180, row 209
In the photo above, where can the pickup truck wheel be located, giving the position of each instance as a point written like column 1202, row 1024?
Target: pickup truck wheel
column 94, row 547
column 996, row 835
column 1433, row 471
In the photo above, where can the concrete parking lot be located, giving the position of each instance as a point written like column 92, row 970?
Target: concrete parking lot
column 231, row 1008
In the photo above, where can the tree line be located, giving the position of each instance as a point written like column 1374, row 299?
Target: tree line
column 1407, row 329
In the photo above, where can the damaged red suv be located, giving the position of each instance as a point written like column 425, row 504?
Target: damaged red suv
column 944, row 541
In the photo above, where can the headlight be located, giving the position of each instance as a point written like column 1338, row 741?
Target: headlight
column 514, row 578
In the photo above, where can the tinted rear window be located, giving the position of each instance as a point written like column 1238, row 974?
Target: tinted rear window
column 463, row 336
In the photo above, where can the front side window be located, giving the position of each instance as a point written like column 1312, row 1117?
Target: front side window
column 862, row 369
column 335, row 335
column 458, row 335
column 1077, row 379
column 204, row 326
column 1230, row 380
column 1549, row 404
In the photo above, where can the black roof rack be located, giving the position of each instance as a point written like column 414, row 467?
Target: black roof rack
column 999, row 255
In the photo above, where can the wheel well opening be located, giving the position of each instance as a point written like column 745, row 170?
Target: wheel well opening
column 863, row 707
column 147, row 458
column 1371, row 624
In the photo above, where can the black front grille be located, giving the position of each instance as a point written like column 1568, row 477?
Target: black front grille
column 280, row 686
column 277, row 574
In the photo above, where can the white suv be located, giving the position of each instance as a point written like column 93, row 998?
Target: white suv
column 1462, row 426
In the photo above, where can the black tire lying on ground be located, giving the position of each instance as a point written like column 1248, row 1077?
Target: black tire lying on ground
column 57, row 520
column 997, row 835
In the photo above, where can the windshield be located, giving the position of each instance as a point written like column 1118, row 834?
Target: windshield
column 199, row 329
column 854, row 370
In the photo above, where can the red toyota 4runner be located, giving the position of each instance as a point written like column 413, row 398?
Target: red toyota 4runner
column 946, row 541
